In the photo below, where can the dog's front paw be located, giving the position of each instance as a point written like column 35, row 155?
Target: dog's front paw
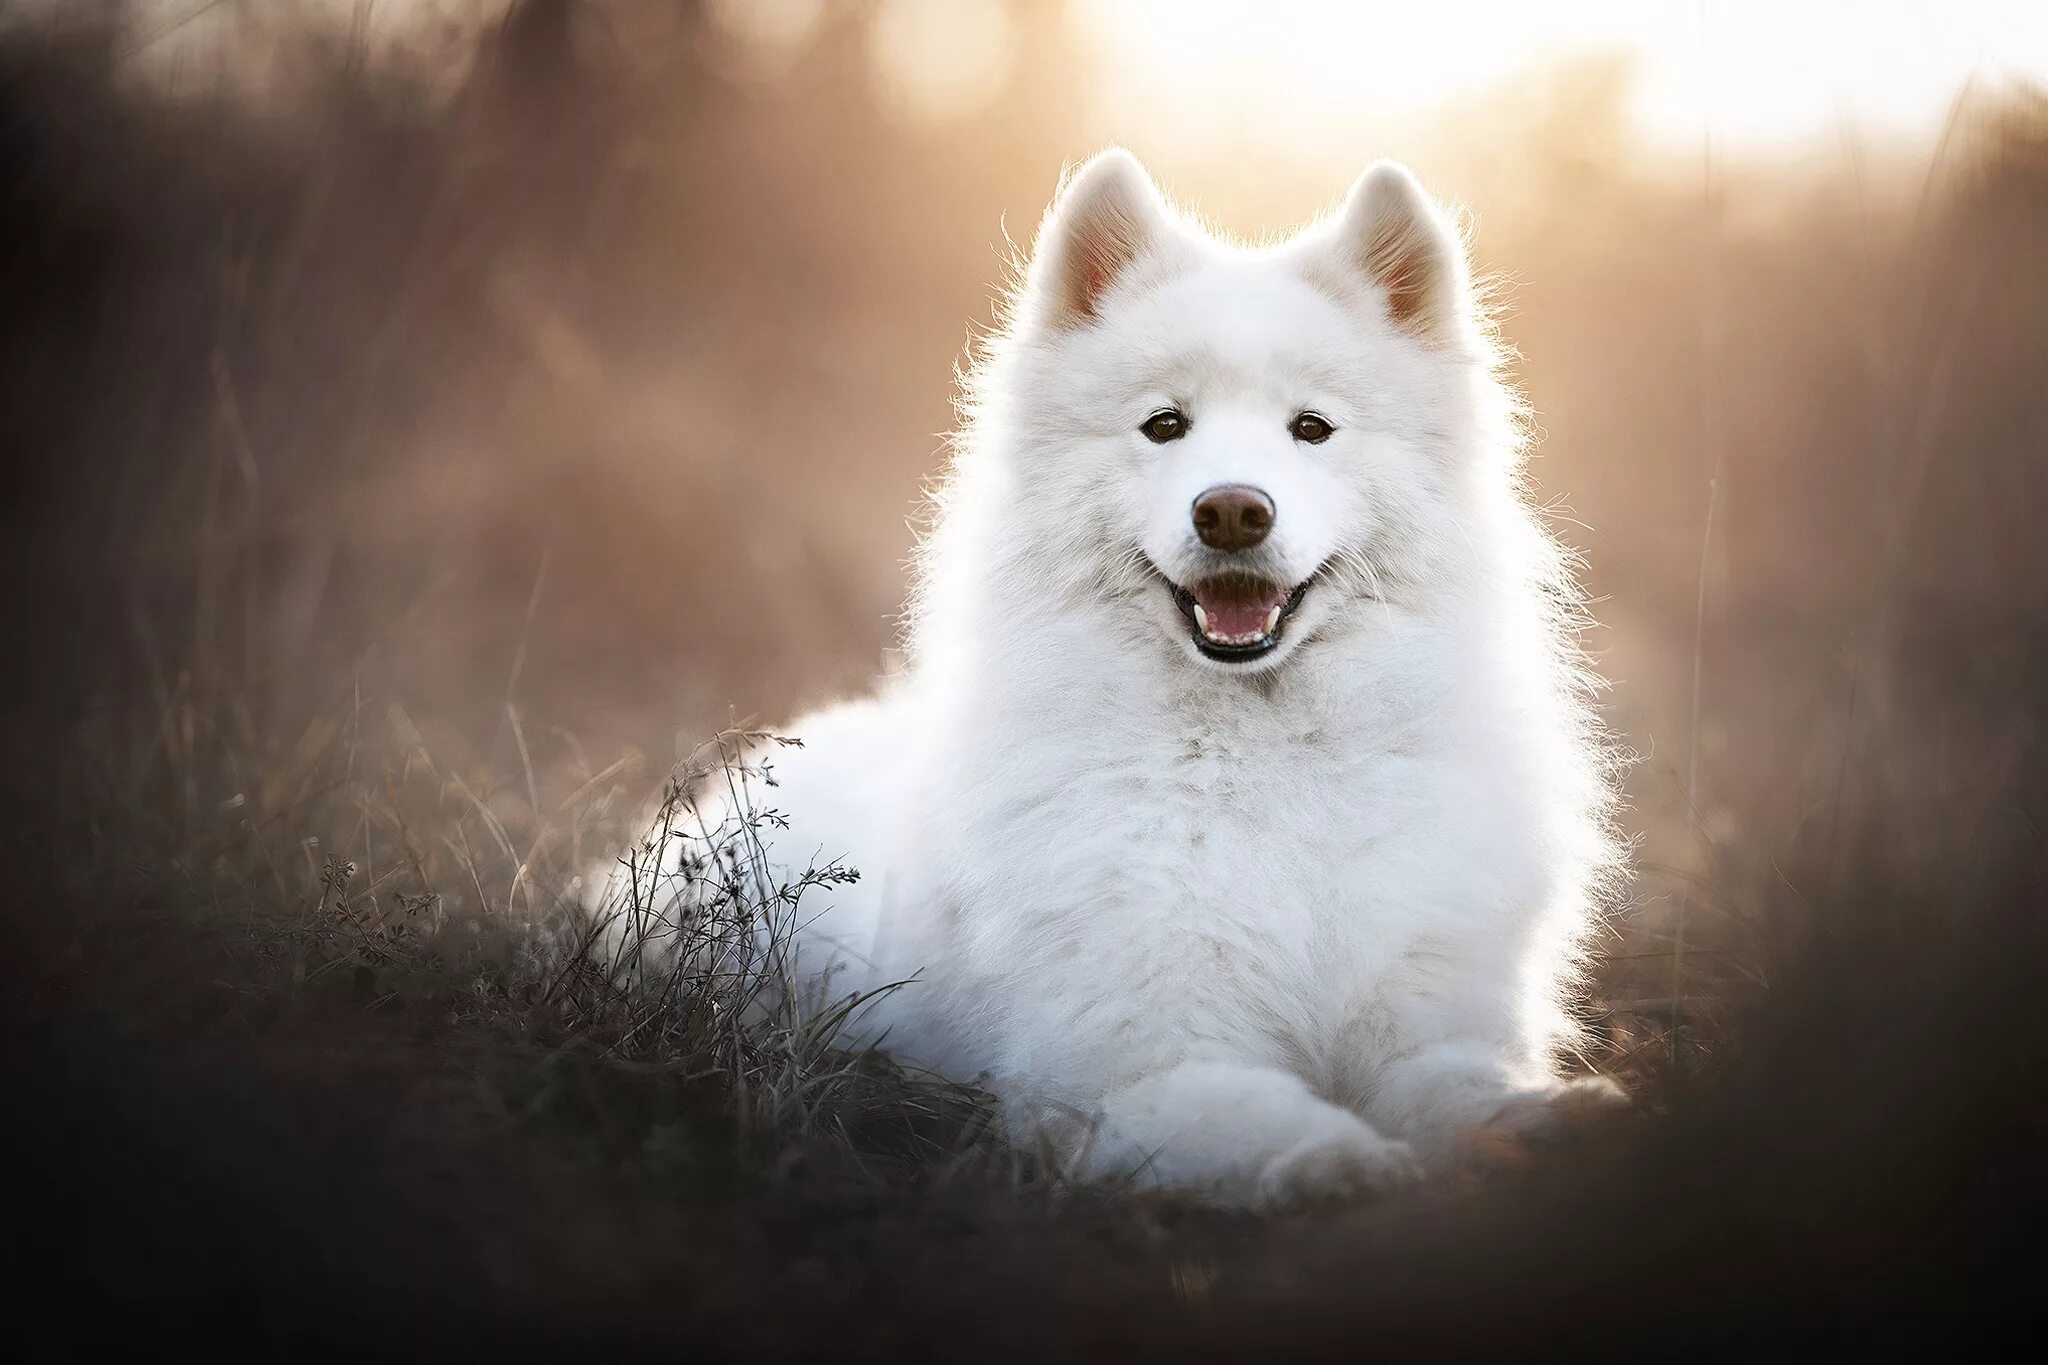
column 1573, row 1108
column 1336, row 1167
column 1555, row 1118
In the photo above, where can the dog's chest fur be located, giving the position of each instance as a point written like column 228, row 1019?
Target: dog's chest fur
column 1154, row 857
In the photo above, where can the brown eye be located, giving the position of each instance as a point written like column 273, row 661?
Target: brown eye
column 1165, row 425
column 1311, row 428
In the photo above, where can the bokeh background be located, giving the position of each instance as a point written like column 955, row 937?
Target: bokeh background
column 554, row 383
column 426, row 420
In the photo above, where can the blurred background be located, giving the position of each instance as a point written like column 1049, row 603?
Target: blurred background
column 427, row 420
column 549, row 384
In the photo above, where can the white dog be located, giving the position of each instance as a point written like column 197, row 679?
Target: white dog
column 1239, row 815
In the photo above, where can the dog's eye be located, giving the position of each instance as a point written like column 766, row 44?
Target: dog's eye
column 1311, row 428
column 1165, row 425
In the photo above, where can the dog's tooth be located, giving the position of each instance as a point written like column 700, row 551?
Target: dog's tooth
column 1272, row 621
column 1201, row 619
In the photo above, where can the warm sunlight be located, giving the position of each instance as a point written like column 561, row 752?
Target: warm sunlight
column 1761, row 75
column 1763, row 71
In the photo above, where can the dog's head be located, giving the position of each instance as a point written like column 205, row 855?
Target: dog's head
column 1247, row 445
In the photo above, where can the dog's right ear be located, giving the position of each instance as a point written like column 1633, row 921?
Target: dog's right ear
column 1105, row 220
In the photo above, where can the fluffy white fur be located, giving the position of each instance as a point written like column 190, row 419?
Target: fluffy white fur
column 1267, row 929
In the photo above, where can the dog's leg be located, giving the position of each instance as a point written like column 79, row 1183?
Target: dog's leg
column 1459, row 1102
column 1246, row 1134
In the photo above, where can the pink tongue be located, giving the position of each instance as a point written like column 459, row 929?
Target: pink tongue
column 1230, row 610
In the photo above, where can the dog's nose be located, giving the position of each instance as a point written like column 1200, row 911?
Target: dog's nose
column 1233, row 517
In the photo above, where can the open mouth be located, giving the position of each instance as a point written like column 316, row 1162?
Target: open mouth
column 1237, row 617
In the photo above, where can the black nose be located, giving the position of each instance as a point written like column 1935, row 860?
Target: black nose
column 1233, row 517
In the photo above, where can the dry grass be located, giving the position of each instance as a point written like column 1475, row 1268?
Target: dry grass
column 352, row 867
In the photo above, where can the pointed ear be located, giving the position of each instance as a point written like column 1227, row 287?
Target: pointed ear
column 1394, row 236
column 1105, row 220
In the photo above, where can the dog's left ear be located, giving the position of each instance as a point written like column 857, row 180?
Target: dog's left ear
column 1392, row 234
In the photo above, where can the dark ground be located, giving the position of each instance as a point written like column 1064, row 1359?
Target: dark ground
column 1867, row 1175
